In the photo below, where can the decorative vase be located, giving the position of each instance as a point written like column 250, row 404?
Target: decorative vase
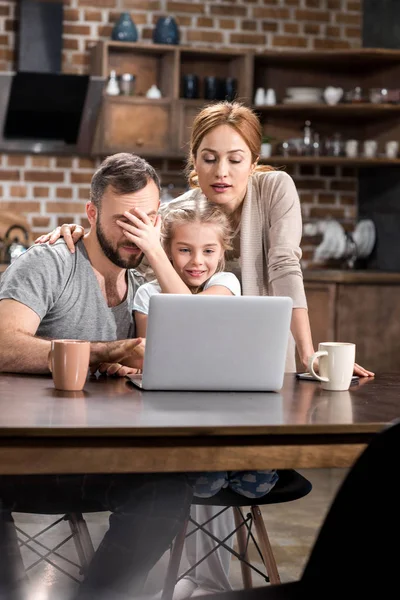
column 166, row 31
column 124, row 29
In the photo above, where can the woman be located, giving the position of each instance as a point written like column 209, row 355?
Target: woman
column 263, row 208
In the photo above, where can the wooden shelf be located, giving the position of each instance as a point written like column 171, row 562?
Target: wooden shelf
column 368, row 57
column 330, row 160
column 354, row 110
column 137, row 100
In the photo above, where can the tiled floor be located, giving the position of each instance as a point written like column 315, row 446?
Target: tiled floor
column 292, row 528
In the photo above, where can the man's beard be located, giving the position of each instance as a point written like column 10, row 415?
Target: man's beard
column 113, row 254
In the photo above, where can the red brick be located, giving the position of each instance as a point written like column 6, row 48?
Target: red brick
column 311, row 184
column 352, row 32
column 84, row 193
column 334, row 5
column 320, row 16
column 71, row 14
column 291, row 27
column 223, row 10
column 271, row 13
column 147, row 5
column 205, row 22
column 4, row 40
column 184, row 21
column 86, row 163
column 330, row 44
column 80, row 59
column 347, row 199
column 257, row 39
column 204, row 36
column 9, row 175
column 68, row 208
column 63, row 192
column 85, row 222
column 20, row 207
column 16, row 160
column 10, row 25
column 64, row 219
column 248, row 26
column 18, row 191
column 99, row 3
column 62, row 161
column 104, row 30
column 326, row 198
column 227, row 24
column 354, row 6
column 323, row 212
column 70, row 44
column 76, row 30
column 187, row 7
column 81, row 177
column 41, row 192
column 41, row 222
column 40, row 161
column 4, row 11
column 289, row 41
column 345, row 186
column 45, row 176
column 7, row 54
column 312, row 28
column 313, row 3
column 93, row 15
column 348, row 19
column 332, row 31
column 269, row 26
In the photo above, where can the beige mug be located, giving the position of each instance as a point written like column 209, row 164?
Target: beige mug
column 68, row 362
column 336, row 365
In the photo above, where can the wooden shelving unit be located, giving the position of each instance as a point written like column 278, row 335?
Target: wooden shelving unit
column 162, row 127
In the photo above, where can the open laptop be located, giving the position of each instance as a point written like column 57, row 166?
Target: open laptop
column 219, row 343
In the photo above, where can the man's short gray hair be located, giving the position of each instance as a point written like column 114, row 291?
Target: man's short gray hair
column 126, row 173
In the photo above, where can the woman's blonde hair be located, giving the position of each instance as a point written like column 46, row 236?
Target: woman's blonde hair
column 197, row 211
column 241, row 118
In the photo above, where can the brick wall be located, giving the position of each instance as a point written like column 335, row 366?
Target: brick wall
column 50, row 190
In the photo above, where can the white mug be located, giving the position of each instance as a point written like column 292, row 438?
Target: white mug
column 392, row 149
column 351, row 148
column 370, row 147
column 259, row 98
column 336, row 365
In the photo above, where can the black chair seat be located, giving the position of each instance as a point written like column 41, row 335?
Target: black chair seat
column 290, row 486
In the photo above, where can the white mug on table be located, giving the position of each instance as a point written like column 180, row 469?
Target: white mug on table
column 336, row 365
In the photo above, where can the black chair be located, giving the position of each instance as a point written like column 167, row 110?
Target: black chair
column 356, row 553
column 290, row 486
column 79, row 534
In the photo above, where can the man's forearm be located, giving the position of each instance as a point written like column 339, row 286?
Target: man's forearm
column 23, row 353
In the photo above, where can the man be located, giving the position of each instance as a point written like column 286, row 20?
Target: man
column 50, row 293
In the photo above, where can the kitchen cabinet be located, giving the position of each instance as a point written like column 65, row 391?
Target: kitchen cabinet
column 360, row 307
column 163, row 129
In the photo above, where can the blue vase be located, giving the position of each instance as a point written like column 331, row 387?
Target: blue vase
column 124, row 29
column 166, row 31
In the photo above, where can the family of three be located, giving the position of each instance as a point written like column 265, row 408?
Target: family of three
column 96, row 293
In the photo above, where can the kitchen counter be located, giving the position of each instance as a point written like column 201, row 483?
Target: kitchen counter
column 350, row 277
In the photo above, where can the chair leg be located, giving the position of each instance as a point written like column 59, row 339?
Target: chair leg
column 265, row 545
column 242, row 544
column 82, row 539
column 174, row 562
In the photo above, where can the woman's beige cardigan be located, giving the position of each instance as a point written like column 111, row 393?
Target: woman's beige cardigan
column 270, row 234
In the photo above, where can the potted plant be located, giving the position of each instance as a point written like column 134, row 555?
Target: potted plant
column 266, row 146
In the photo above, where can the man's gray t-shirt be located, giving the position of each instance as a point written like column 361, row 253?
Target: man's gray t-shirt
column 63, row 290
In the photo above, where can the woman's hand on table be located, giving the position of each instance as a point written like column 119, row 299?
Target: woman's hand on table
column 71, row 232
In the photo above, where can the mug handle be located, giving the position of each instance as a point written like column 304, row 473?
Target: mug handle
column 311, row 361
column 49, row 357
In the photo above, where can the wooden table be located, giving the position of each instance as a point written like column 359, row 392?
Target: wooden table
column 112, row 427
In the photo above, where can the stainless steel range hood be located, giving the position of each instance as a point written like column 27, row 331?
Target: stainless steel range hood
column 48, row 112
column 42, row 109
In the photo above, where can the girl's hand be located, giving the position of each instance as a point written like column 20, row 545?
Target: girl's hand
column 71, row 232
column 142, row 232
column 361, row 372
